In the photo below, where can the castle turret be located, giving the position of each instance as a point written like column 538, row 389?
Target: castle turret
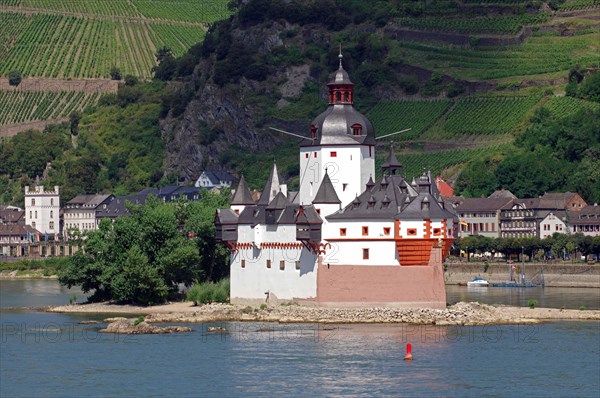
column 342, row 141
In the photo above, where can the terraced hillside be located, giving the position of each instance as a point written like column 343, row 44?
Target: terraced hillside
column 85, row 39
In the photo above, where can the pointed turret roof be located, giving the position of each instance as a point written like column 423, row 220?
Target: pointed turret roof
column 271, row 187
column 392, row 164
column 242, row 194
column 326, row 192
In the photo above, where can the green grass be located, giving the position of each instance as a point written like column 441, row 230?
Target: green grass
column 26, row 106
column 578, row 4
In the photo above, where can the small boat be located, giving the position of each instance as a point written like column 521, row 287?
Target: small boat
column 478, row 282
column 514, row 284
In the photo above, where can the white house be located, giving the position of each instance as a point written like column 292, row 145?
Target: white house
column 343, row 239
column 42, row 208
column 81, row 212
column 214, row 179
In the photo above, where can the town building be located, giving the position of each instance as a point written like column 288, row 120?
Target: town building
column 11, row 215
column 80, row 213
column 540, row 217
column 42, row 210
column 210, row 179
column 586, row 221
column 344, row 238
column 16, row 239
column 481, row 216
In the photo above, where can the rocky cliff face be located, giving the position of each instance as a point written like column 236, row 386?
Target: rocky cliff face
column 221, row 117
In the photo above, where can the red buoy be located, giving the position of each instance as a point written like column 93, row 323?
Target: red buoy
column 408, row 356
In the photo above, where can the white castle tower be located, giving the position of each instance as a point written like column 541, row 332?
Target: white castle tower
column 341, row 141
column 42, row 209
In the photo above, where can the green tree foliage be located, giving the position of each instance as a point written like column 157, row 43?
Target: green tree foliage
column 14, row 78
column 143, row 258
column 115, row 73
column 554, row 154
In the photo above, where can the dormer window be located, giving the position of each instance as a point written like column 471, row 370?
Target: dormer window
column 313, row 131
column 356, row 129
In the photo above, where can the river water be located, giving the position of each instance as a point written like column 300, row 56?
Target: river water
column 52, row 355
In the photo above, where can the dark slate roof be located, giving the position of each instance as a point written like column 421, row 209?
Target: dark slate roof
column 12, row 216
column 242, row 194
column 272, row 187
column 326, row 192
column 118, row 206
column 279, row 202
column 403, row 203
column 556, row 200
column 590, row 211
column 89, row 201
column 334, row 127
column 216, row 176
column 483, row 204
column 502, row 194
column 226, row 216
column 391, row 164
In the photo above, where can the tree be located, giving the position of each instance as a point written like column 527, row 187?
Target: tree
column 14, row 78
column 145, row 257
column 74, row 119
column 115, row 73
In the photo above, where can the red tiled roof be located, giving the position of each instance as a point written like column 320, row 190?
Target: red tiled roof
column 444, row 188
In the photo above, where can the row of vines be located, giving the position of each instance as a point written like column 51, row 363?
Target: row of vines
column 58, row 46
column 498, row 24
column 196, row 11
column 19, row 107
column 538, row 55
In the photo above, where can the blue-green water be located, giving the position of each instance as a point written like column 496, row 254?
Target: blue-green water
column 44, row 354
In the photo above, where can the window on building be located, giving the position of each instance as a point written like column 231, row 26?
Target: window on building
column 386, row 230
column 297, row 264
column 342, row 231
column 51, row 214
column 356, row 129
column 51, row 201
column 33, row 224
column 333, row 154
column 306, row 155
column 51, row 224
column 33, row 202
column 35, row 214
column 243, row 263
column 268, row 263
column 365, row 231
column 315, row 155
column 237, row 211
column 437, row 232
column 30, row 214
column 365, row 254
column 318, row 211
column 282, row 265
column 411, row 232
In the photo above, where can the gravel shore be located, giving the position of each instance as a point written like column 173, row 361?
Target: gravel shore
column 458, row 314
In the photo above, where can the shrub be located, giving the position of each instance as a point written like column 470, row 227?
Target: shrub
column 209, row 292
column 532, row 303
column 131, row 80
column 263, row 306
column 14, row 78
column 582, row 308
column 115, row 73
column 73, row 299
column 138, row 320
column 247, row 310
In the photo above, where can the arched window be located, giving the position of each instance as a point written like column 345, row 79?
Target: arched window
column 33, row 202
column 356, row 129
column 338, row 96
column 347, row 96
column 51, row 201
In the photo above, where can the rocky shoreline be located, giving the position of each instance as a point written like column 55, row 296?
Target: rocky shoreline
column 460, row 314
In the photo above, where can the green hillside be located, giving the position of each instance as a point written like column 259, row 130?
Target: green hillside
column 468, row 77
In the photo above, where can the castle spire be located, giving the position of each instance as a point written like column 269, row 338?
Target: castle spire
column 272, row 187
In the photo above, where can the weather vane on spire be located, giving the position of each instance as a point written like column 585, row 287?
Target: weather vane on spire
column 340, row 56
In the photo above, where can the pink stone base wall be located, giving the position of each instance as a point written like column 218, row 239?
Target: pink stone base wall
column 372, row 285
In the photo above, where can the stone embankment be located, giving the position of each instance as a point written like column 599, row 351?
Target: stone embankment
column 466, row 314
column 553, row 275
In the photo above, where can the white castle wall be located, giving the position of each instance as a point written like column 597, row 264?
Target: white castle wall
column 349, row 170
column 348, row 249
column 42, row 208
column 251, row 282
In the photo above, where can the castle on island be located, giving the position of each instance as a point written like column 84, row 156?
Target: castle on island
column 346, row 238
